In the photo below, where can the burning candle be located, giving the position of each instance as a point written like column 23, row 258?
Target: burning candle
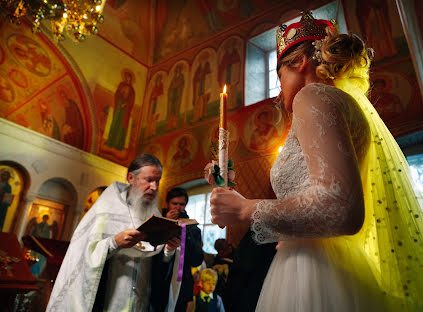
column 223, row 137
column 223, row 104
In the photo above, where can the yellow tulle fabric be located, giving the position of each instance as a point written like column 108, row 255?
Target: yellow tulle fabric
column 391, row 239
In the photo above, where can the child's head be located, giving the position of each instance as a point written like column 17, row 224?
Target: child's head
column 208, row 280
column 223, row 248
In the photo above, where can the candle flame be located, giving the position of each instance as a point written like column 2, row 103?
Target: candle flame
column 224, row 89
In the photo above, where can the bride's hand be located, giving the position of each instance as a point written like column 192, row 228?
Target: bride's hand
column 228, row 207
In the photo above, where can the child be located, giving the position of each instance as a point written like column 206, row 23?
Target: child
column 206, row 300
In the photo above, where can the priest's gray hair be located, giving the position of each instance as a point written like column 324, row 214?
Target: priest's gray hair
column 142, row 161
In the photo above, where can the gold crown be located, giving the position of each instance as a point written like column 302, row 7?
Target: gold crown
column 307, row 28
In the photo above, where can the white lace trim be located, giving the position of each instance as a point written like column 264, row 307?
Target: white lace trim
column 316, row 203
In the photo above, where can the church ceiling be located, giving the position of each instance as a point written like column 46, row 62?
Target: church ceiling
column 152, row 31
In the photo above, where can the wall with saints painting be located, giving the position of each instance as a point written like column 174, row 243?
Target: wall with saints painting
column 70, row 93
column 180, row 115
column 150, row 82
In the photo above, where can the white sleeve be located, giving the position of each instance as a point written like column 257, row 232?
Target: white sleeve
column 332, row 204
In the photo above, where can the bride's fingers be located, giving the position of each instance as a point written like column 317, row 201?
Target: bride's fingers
column 223, row 220
column 217, row 219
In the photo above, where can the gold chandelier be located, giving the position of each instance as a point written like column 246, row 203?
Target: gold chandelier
column 74, row 18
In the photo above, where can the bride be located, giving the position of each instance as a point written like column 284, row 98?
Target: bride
column 346, row 214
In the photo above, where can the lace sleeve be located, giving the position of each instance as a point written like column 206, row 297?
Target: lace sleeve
column 331, row 204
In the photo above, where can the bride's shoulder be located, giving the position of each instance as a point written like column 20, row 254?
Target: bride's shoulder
column 323, row 94
column 316, row 88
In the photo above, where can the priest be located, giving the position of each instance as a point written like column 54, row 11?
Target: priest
column 107, row 266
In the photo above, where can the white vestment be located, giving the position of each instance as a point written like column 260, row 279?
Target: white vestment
column 129, row 269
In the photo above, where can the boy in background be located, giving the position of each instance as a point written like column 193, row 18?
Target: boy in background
column 206, row 300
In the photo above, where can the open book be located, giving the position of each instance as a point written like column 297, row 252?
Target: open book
column 160, row 229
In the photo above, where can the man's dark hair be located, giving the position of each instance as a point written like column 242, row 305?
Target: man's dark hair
column 144, row 160
column 220, row 244
column 176, row 192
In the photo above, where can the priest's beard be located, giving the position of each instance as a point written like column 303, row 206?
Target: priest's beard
column 141, row 207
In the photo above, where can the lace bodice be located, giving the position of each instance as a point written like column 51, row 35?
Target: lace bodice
column 316, row 176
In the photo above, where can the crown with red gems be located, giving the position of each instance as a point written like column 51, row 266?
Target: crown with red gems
column 307, row 28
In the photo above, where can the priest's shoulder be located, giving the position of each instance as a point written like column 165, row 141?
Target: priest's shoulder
column 111, row 197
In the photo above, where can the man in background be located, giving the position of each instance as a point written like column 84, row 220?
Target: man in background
column 107, row 266
column 176, row 200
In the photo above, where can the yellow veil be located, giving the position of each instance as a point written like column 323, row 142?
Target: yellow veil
column 392, row 234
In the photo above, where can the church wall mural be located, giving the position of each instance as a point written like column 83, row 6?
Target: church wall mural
column 180, row 121
column 72, row 93
column 188, row 92
column 256, row 131
column 117, row 86
column 394, row 88
column 38, row 88
column 127, row 26
column 11, row 187
column 118, row 112
column 182, row 24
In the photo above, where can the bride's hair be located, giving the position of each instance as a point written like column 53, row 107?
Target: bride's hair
column 342, row 56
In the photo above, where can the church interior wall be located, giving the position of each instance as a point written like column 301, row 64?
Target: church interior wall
column 45, row 159
column 167, row 63
column 395, row 92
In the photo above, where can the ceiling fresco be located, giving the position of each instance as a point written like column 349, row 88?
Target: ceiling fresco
column 151, row 31
column 39, row 90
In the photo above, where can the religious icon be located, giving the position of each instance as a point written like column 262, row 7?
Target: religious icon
column 18, row 78
column 230, row 60
column 42, row 228
column 73, row 126
column 30, row 54
column 49, row 125
column 182, row 151
column 119, row 120
column 154, row 149
column 388, row 102
column 201, row 86
column 91, row 199
column 11, row 185
column 174, row 95
column 152, row 114
column 7, row 93
column 374, row 24
column 263, row 129
column 6, row 196
column 230, row 69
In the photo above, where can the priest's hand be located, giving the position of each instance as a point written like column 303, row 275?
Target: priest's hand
column 129, row 238
column 229, row 207
column 173, row 243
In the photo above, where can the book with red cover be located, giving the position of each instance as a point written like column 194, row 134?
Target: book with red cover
column 159, row 230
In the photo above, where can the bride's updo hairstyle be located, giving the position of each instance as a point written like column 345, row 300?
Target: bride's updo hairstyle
column 336, row 56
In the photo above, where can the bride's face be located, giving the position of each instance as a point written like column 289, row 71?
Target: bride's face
column 291, row 82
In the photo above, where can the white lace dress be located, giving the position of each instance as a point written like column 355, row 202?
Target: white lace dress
column 317, row 182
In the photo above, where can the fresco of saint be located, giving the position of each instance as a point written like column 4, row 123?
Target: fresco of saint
column 119, row 130
column 73, row 126
column 201, row 97
column 174, row 95
column 152, row 115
